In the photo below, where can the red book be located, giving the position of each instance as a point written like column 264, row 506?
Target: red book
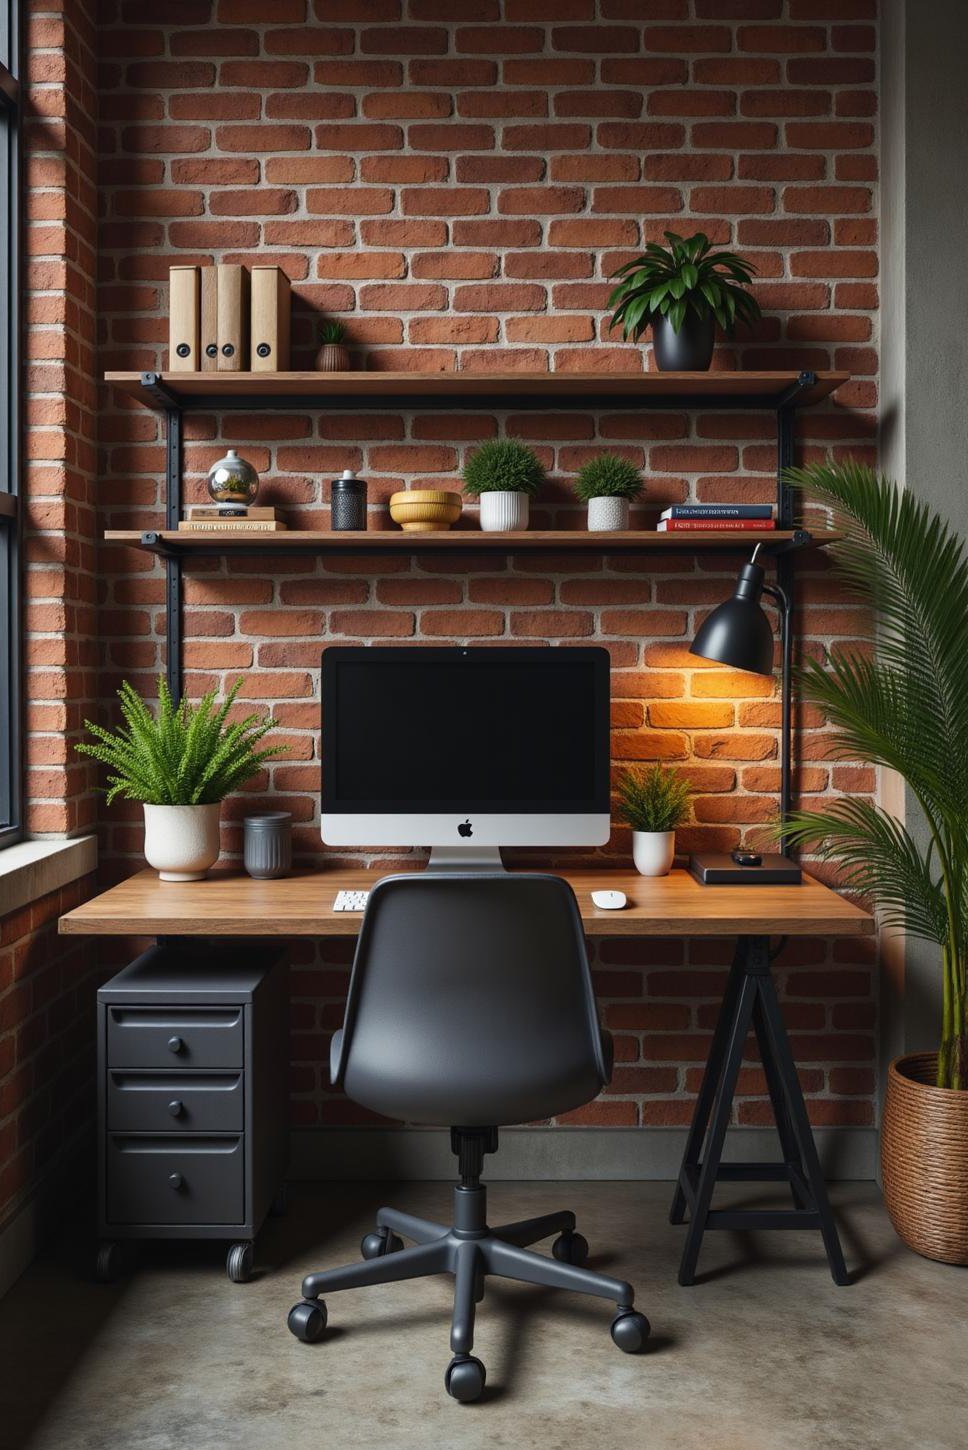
column 726, row 526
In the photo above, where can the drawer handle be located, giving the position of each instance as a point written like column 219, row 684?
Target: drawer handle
column 176, row 1181
column 175, row 1044
column 176, row 1107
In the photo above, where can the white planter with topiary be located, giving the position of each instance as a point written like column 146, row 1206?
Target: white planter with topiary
column 505, row 476
column 653, row 802
column 180, row 764
column 609, row 485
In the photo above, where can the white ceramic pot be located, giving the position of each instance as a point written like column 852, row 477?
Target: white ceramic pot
column 504, row 511
column 182, row 842
column 653, row 852
column 608, row 513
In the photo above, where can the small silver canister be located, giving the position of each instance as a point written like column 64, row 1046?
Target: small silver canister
column 267, row 845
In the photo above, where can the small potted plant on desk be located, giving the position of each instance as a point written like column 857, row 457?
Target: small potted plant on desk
column 333, row 355
column 653, row 802
column 504, row 475
column 181, row 764
column 681, row 292
column 609, row 485
column 906, row 710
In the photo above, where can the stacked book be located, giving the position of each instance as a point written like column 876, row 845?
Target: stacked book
column 210, row 518
column 724, row 517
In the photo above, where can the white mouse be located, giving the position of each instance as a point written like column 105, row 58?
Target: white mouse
column 609, row 900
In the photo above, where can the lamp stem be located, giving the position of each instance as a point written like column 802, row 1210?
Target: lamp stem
column 785, row 606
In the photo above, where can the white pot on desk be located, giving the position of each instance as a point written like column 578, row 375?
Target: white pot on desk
column 182, row 842
column 653, row 852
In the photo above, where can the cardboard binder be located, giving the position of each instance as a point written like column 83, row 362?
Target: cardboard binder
column 269, row 352
column 183, row 319
column 208, row 326
column 232, row 311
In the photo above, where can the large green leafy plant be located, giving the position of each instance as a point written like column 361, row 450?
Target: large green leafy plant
column 905, row 708
column 688, row 274
column 187, row 755
column 654, row 799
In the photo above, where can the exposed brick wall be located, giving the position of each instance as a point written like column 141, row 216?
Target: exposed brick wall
column 47, row 994
column 456, row 180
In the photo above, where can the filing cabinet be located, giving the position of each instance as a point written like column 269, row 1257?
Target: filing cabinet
column 193, row 1066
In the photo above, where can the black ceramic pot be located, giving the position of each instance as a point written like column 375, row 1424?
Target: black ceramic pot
column 690, row 350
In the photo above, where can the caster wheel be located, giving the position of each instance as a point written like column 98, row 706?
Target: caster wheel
column 307, row 1320
column 571, row 1249
column 464, row 1379
column 109, row 1262
column 377, row 1245
column 280, row 1204
column 630, row 1330
column 238, row 1262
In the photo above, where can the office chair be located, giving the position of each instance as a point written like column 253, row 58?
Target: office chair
column 471, row 1006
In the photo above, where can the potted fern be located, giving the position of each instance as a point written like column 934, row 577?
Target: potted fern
column 505, row 475
column 181, row 764
column 681, row 292
column 906, row 710
column 653, row 802
column 609, row 485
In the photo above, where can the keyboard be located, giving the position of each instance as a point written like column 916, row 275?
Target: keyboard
column 350, row 900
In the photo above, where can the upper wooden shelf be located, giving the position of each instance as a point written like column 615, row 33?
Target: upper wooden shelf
column 174, row 543
column 764, row 390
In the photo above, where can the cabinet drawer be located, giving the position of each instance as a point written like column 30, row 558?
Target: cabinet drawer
column 174, row 1180
column 170, row 1102
column 174, row 1036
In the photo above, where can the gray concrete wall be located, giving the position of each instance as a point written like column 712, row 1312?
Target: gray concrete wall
column 924, row 340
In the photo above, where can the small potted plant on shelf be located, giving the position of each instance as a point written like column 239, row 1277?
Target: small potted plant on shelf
column 181, row 764
column 906, row 710
column 609, row 485
column 504, row 475
column 681, row 292
column 333, row 355
column 653, row 801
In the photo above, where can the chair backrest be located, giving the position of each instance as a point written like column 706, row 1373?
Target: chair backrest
column 471, row 1001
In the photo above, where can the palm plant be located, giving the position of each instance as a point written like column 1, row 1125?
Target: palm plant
column 186, row 756
column 665, row 281
column 907, row 710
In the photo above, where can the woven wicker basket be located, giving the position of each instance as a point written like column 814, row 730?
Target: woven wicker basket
column 924, row 1159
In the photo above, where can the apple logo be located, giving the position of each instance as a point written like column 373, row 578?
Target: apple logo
column 465, row 829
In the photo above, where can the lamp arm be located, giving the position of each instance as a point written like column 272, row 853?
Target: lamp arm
column 784, row 604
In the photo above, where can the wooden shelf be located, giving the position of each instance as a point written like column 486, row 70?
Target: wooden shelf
column 763, row 390
column 175, row 544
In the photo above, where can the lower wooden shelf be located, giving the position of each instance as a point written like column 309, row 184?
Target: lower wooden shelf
column 172, row 543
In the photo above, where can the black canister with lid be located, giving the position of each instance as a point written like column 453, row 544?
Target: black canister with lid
column 267, row 845
column 348, row 501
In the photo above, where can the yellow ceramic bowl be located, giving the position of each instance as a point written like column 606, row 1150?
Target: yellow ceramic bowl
column 425, row 510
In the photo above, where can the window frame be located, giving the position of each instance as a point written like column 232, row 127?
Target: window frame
column 11, row 521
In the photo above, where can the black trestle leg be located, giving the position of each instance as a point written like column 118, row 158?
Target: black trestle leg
column 750, row 1000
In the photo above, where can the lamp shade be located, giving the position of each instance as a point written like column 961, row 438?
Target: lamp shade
column 738, row 632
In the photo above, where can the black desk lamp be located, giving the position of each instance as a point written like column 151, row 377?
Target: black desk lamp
column 738, row 633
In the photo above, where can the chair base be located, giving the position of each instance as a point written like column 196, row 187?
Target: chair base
column 471, row 1251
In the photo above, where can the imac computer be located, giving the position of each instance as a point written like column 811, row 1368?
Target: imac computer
column 465, row 750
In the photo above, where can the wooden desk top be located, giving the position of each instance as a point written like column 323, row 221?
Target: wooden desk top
column 228, row 903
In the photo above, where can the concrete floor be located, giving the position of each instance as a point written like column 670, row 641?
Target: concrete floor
column 764, row 1354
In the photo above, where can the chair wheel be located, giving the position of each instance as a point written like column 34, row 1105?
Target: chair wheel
column 571, row 1248
column 377, row 1245
column 464, row 1379
column 630, row 1330
column 109, row 1263
column 238, row 1262
column 307, row 1320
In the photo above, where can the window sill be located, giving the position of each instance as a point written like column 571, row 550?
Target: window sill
column 31, row 869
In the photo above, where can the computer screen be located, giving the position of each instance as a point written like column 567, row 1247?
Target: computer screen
column 464, row 734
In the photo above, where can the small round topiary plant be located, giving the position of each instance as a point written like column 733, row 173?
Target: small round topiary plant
column 503, row 465
column 608, row 476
